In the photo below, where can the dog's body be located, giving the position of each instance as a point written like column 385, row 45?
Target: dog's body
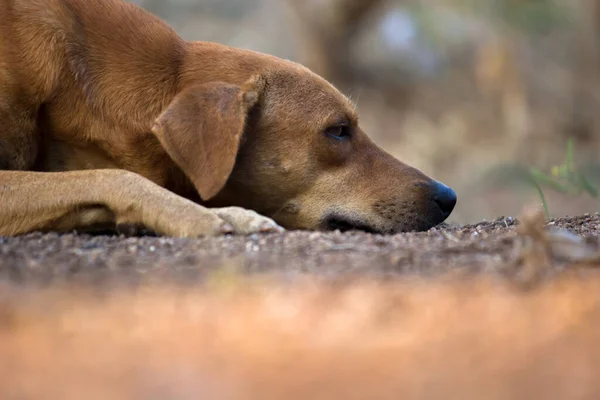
column 107, row 116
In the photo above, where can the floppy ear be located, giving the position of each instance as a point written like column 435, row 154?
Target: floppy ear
column 201, row 131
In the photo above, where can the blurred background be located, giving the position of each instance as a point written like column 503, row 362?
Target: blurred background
column 483, row 95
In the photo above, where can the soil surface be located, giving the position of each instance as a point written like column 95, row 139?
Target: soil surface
column 487, row 247
column 410, row 338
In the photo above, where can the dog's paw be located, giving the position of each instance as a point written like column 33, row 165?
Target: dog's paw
column 245, row 222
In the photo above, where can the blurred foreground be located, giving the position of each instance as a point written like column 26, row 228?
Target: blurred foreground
column 496, row 311
column 470, row 340
column 473, row 93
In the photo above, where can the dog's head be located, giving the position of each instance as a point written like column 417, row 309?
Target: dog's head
column 287, row 144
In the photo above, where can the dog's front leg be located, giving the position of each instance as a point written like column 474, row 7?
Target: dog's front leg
column 31, row 201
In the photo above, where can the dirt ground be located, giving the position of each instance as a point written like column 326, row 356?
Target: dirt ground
column 306, row 315
column 484, row 247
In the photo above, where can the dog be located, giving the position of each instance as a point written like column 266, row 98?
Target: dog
column 109, row 118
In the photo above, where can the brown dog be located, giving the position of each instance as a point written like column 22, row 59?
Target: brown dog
column 108, row 117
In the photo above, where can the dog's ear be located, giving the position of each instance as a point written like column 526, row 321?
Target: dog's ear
column 201, row 130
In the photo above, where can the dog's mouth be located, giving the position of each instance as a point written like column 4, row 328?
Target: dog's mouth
column 346, row 224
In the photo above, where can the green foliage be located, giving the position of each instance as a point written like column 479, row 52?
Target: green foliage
column 533, row 16
column 564, row 178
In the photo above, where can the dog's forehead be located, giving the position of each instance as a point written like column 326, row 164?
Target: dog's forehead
column 297, row 85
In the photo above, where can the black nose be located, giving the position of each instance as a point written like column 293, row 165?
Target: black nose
column 444, row 197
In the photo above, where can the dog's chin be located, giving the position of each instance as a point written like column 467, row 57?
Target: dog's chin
column 342, row 223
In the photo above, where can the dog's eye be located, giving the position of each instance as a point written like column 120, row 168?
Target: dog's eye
column 338, row 132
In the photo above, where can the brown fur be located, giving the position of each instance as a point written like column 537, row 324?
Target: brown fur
column 151, row 122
